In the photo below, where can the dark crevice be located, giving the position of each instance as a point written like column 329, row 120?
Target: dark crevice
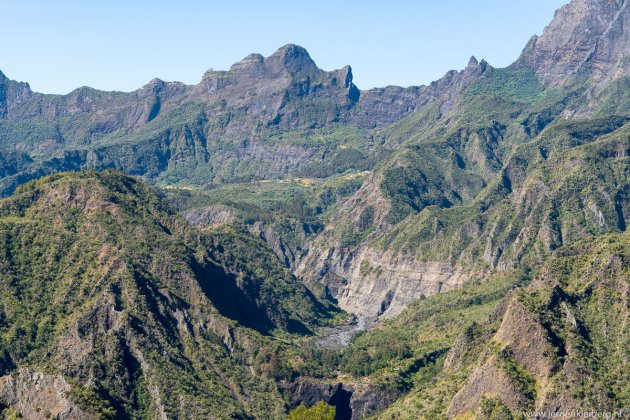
column 387, row 301
column 621, row 220
column 459, row 161
column 222, row 289
column 428, row 359
column 155, row 110
column 156, row 303
column 118, row 301
column 507, row 183
column 6, row 363
column 340, row 399
column 552, row 337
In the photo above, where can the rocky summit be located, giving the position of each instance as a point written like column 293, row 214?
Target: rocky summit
column 227, row 128
column 586, row 39
column 275, row 242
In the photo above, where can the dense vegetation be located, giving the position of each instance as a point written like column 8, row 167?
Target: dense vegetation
column 476, row 226
column 73, row 243
column 320, row 411
column 96, row 261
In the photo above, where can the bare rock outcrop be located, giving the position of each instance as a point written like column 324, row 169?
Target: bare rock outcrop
column 352, row 401
column 488, row 380
column 587, row 38
column 38, row 396
column 211, row 215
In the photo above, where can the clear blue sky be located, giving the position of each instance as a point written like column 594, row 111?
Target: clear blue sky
column 60, row 45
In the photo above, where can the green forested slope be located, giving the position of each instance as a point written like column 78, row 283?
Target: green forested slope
column 105, row 286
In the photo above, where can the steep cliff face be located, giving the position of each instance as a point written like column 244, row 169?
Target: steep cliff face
column 11, row 95
column 491, row 177
column 237, row 125
column 212, row 132
column 262, row 87
column 286, row 89
column 565, row 185
column 384, row 106
column 255, row 90
column 587, row 39
column 38, row 396
column 365, row 279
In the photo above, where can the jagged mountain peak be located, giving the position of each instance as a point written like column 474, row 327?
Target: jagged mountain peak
column 154, row 82
column 385, row 201
column 249, row 62
column 290, row 58
column 587, row 38
column 160, row 87
column 294, row 59
column 292, row 51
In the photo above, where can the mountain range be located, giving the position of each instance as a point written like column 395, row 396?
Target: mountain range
column 273, row 237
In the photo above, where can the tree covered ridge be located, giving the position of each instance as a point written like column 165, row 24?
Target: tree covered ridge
column 104, row 285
